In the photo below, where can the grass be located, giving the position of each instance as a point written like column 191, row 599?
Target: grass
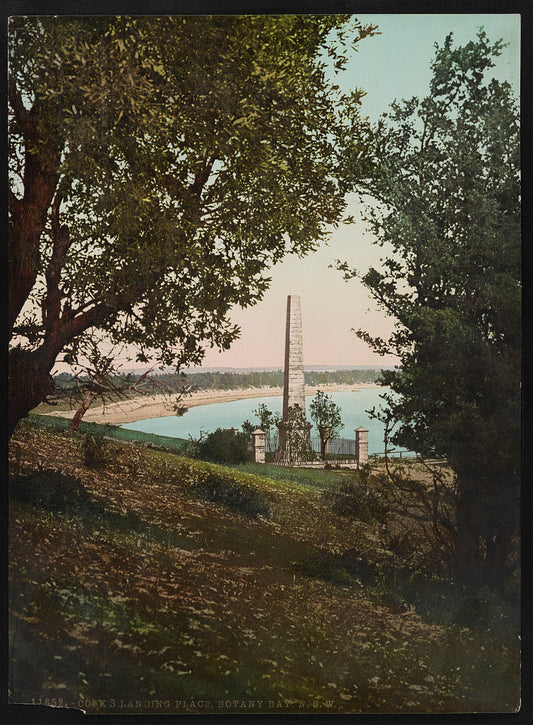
column 132, row 590
column 56, row 423
column 304, row 479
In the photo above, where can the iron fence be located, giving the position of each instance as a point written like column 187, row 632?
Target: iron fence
column 337, row 449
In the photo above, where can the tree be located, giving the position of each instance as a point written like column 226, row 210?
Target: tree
column 97, row 379
column 267, row 421
column 225, row 445
column 248, row 428
column 326, row 415
column 158, row 167
column 448, row 212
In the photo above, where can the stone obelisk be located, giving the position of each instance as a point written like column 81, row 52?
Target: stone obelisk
column 293, row 384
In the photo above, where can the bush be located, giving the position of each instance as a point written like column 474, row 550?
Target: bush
column 360, row 497
column 325, row 566
column 238, row 496
column 54, row 491
column 95, row 452
column 225, row 446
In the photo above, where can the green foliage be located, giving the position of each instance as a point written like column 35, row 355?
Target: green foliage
column 361, row 497
column 266, row 418
column 327, row 417
column 165, row 164
column 95, row 452
column 448, row 208
column 52, row 490
column 241, row 497
column 268, row 423
column 225, row 445
column 264, row 378
column 248, row 428
column 326, row 566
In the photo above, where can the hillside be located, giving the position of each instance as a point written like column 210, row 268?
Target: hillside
column 141, row 581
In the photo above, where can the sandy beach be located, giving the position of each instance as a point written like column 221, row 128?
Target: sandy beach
column 157, row 406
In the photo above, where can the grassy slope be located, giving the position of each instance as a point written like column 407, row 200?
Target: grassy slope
column 57, row 423
column 133, row 594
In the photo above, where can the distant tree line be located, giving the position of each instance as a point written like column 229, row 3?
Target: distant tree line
column 268, row 378
column 67, row 383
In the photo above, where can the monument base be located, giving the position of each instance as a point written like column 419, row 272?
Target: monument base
column 294, row 442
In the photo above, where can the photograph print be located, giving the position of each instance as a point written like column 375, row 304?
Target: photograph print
column 264, row 363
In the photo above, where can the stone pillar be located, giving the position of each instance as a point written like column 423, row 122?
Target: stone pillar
column 258, row 446
column 293, row 384
column 361, row 446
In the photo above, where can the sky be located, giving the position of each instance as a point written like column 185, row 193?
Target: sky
column 393, row 65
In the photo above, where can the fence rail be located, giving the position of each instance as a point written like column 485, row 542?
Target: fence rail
column 394, row 454
column 337, row 449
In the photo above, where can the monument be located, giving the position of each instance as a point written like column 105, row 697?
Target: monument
column 293, row 433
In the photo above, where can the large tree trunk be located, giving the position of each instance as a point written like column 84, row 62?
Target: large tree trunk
column 28, row 214
column 29, row 383
column 488, row 523
column 468, row 563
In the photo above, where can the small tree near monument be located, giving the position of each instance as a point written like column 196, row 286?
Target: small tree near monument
column 326, row 415
column 267, row 421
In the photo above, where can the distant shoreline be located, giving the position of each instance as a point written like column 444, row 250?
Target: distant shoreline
column 157, row 406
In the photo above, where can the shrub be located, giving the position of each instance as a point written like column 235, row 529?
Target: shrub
column 53, row 491
column 225, row 446
column 360, row 497
column 238, row 496
column 95, row 452
column 325, row 566
column 191, row 448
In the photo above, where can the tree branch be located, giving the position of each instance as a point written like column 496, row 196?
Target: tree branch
column 22, row 115
column 61, row 243
column 57, row 336
column 202, row 175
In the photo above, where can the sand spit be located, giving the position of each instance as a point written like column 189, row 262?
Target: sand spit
column 157, row 406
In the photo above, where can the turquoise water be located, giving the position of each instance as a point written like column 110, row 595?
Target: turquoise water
column 207, row 418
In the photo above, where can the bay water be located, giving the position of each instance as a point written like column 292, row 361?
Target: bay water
column 354, row 406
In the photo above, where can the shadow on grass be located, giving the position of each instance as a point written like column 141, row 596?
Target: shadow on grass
column 436, row 600
column 59, row 493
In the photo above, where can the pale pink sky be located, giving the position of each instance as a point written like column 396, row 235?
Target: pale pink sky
column 330, row 309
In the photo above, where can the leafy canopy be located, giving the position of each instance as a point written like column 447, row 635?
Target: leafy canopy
column 326, row 415
column 160, row 165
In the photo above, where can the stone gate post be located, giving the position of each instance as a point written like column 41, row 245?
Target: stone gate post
column 258, row 446
column 361, row 446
